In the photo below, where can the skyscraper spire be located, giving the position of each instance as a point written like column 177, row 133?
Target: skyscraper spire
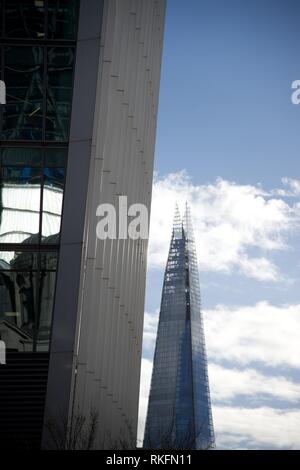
column 187, row 223
column 179, row 410
column 177, row 223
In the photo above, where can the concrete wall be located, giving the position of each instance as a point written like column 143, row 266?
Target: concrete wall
column 98, row 319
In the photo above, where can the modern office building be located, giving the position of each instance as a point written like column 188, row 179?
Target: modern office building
column 78, row 130
column 179, row 410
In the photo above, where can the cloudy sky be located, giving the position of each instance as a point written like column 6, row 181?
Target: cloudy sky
column 228, row 138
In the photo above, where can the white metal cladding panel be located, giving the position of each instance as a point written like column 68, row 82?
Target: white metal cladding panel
column 110, row 320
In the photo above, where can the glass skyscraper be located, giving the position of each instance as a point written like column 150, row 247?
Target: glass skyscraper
column 179, row 410
column 77, row 130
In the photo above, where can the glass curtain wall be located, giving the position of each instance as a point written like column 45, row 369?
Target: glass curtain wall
column 37, row 53
column 179, row 409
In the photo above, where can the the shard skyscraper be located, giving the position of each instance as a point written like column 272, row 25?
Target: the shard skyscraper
column 179, row 410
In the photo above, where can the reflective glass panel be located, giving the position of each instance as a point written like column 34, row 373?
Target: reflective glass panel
column 17, row 292
column 22, row 156
column 25, row 19
column 47, row 280
column 20, row 205
column 39, row 82
column 18, row 288
column 47, row 289
column 1, row 13
column 23, row 75
column 27, row 285
column 59, row 92
column 62, row 19
column 48, row 261
column 56, row 157
column 52, row 204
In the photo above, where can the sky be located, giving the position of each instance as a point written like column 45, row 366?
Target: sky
column 227, row 142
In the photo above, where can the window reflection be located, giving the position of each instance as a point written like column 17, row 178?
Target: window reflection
column 62, row 19
column 52, row 203
column 22, row 156
column 1, row 21
column 25, row 19
column 46, row 290
column 27, row 82
column 59, row 92
column 55, row 157
column 27, row 283
column 31, row 195
column 20, row 204
column 39, row 80
column 23, row 75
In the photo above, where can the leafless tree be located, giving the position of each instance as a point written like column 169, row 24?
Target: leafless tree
column 79, row 434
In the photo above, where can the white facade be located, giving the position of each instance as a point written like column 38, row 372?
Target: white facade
column 97, row 341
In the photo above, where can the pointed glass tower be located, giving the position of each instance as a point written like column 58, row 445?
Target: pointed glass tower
column 179, row 410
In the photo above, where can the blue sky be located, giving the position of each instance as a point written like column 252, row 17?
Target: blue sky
column 228, row 141
column 225, row 106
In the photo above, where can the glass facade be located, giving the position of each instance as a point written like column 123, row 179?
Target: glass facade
column 37, row 57
column 179, row 410
column 27, row 283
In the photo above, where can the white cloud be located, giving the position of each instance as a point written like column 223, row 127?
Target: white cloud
column 294, row 186
column 297, row 209
column 150, row 329
column 227, row 384
column 259, row 427
column 229, row 220
column 146, row 373
column 238, row 426
column 262, row 333
column 261, row 269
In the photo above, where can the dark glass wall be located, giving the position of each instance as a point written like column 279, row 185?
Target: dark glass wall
column 37, row 53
